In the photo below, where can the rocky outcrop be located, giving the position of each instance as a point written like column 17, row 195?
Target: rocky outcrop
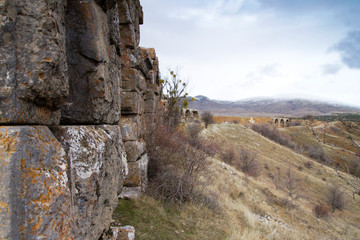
column 141, row 89
column 77, row 95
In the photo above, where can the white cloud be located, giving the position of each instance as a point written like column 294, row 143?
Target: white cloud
column 232, row 49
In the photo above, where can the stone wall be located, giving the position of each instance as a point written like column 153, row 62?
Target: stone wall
column 77, row 95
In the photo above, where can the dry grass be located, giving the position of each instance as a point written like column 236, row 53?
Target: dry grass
column 253, row 208
column 335, row 134
column 242, row 120
column 300, row 221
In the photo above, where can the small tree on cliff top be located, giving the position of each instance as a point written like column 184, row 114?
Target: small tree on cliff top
column 175, row 91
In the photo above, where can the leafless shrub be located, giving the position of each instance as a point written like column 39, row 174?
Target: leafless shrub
column 277, row 178
column 210, row 147
column 317, row 153
column 266, row 166
column 288, row 203
column 228, row 155
column 246, row 162
column 321, row 210
column 309, row 164
column 208, row 118
column 193, row 130
column 174, row 165
column 282, row 202
column 335, row 198
column 291, row 184
column 210, row 200
column 271, row 132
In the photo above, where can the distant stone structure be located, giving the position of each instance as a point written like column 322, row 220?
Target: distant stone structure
column 77, row 96
column 281, row 122
column 189, row 114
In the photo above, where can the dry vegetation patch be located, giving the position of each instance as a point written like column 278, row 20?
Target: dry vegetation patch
column 254, row 207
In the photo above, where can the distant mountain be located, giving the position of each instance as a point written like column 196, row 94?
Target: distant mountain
column 269, row 107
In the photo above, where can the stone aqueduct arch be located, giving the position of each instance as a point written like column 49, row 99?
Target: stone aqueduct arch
column 281, row 122
column 189, row 114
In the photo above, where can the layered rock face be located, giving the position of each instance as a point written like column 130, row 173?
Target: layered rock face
column 77, row 95
column 141, row 90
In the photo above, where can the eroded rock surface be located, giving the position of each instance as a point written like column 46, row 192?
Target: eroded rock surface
column 98, row 166
column 61, row 67
column 94, row 66
column 35, row 197
column 33, row 72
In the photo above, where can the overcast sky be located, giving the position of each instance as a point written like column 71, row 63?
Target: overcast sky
column 236, row 49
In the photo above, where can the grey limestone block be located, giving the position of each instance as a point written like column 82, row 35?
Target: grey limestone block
column 98, row 167
column 133, row 80
column 35, row 196
column 33, row 72
column 132, row 103
column 133, row 127
column 137, row 176
column 93, row 66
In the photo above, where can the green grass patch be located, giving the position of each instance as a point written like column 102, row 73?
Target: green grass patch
column 155, row 219
column 335, row 117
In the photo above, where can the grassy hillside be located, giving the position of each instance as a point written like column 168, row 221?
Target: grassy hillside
column 334, row 133
column 248, row 207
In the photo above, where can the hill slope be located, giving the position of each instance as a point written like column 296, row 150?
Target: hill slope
column 250, row 208
column 269, row 107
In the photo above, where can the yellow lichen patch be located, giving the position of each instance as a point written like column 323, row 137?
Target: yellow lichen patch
column 3, row 205
column 7, row 146
column 42, row 76
column 37, row 225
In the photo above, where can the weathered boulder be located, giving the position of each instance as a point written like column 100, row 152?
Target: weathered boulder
column 34, row 196
column 134, row 149
column 97, row 164
column 120, row 233
column 93, row 65
column 130, row 193
column 33, row 72
column 137, row 176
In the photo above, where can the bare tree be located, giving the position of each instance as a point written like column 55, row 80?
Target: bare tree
column 208, row 118
column 292, row 184
column 246, row 162
column 174, row 89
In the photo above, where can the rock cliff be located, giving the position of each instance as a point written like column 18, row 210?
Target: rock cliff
column 77, row 95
